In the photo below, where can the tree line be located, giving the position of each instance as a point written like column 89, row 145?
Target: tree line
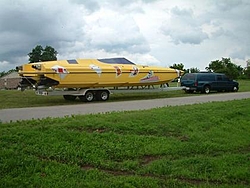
column 225, row 65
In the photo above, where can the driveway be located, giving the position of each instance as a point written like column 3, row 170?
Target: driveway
column 7, row 115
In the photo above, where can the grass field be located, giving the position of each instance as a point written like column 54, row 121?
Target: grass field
column 205, row 145
column 18, row 99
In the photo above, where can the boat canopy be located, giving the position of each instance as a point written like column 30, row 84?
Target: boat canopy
column 116, row 61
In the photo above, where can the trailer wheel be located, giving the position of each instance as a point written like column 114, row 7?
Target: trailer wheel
column 69, row 97
column 88, row 97
column 102, row 95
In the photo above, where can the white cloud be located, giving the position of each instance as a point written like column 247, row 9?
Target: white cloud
column 115, row 35
column 145, row 31
column 5, row 66
column 184, row 27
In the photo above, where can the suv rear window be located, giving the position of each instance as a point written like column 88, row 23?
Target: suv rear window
column 188, row 77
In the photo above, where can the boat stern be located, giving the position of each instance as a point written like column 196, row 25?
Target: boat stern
column 34, row 75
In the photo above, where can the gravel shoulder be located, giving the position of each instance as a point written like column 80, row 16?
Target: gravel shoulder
column 15, row 114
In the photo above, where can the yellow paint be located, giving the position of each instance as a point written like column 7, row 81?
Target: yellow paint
column 93, row 73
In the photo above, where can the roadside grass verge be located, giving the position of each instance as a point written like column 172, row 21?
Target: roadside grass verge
column 18, row 99
column 203, row 145
column 28, row 98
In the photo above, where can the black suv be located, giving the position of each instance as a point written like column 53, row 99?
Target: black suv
column 206, row 82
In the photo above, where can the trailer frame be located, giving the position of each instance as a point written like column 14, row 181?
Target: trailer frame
column 100, row 94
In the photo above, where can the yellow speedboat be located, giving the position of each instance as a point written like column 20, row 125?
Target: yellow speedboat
column 93, row 73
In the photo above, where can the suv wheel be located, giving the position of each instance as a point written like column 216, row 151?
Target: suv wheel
column 206, row 89
column 235, row 89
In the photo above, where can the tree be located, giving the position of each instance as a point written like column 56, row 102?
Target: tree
column 49, row 54
column 2, row 74
column 247, row 70
column 179, row 66
column 225, row 66
column 192, row 70
column 39, row 54
column 248, row 63
column 36, row 54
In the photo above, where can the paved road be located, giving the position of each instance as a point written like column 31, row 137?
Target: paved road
column 7, row 115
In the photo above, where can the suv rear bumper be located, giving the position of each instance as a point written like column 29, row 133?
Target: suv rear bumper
column 190, row 88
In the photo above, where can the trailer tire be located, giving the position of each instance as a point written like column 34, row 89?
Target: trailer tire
column 88, row 97
column 102, row 95
column 69, row 97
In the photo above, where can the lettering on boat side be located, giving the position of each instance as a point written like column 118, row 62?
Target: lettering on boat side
column 118, row 71
column 150, row 77
column 61, row 71
column 134, row 71
column 96, row 68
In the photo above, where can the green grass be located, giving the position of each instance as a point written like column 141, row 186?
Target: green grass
column 205, row 145
column 18, row 99
column 244, row 85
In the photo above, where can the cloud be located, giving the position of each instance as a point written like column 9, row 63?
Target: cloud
column 183, row 27
column 29, row 23
column 145, row 31
column 91, row 5
column 115, row 35
column 232, row 25
column 227, row 5
column 74, row 26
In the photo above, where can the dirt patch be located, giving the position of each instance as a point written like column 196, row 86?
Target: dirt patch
column 87, row 167
column 88, row 129
column 146, row 159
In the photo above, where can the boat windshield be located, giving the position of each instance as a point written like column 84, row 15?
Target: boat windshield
column 116, row 61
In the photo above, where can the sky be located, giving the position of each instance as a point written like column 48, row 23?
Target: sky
column 147, row 32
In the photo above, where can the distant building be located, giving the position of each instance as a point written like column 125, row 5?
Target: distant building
column 10, row 81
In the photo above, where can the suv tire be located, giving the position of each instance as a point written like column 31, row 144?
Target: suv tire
column 206, row 89
column 235, row 89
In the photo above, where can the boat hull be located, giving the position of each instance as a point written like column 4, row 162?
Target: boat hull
column 93, row 73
